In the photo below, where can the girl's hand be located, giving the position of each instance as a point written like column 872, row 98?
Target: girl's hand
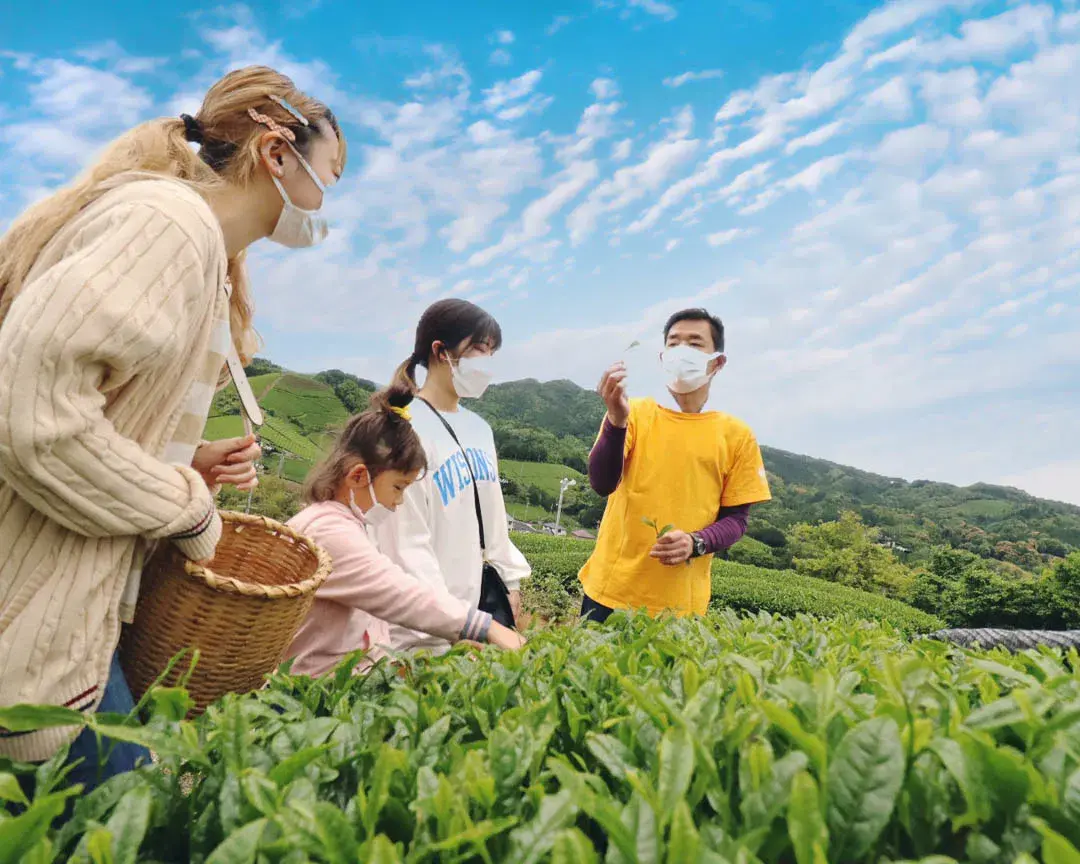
column 229, row 461
column 504, row 637
column 515, row 606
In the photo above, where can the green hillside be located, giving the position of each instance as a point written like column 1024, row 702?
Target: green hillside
column 544, row 431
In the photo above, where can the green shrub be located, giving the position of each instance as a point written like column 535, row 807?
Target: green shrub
column 784, row 592
column 722, row 739
column 753, row 552
column 555, row 593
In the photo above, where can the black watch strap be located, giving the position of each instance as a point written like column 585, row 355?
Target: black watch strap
column 699, row 545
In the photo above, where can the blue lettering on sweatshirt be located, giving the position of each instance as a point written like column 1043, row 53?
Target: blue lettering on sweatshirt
column 452, row 476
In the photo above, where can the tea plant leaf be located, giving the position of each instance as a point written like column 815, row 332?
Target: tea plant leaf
column 22, row 833
column 241, row 846
column 99, row 846
column 864, row 779
column 683, row 840
column 10, row 790
column 129, row 824
column 533, row 840
column 288, row 769
column 335, row 834
column 676, row 768
column 611, row 753
column 791, row 726
column 28, row 718
column 382, row 851
column 667, row 529
column 1055, row 848
column 806, row 827
column 573, row 847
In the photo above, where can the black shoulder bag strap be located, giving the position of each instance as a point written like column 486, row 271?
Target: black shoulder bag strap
column 494, row 595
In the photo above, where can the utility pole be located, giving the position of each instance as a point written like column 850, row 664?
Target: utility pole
column 564, row 484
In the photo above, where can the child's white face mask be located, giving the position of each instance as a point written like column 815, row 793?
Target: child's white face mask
column 375, row 515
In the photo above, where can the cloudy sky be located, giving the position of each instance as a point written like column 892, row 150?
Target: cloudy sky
column 881, row 201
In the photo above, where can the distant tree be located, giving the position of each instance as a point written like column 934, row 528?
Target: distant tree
column 847, row 551
column 261, row 366
column 1064, row 578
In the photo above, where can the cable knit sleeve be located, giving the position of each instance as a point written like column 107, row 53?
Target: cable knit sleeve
column 134, row 279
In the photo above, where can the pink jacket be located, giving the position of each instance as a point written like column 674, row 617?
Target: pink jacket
column 364, row 591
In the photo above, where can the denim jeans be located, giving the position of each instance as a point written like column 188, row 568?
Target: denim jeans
column 123, row 756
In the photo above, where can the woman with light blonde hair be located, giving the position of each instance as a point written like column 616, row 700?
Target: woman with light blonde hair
column 122, row 298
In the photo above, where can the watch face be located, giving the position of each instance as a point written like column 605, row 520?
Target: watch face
column 699, row 546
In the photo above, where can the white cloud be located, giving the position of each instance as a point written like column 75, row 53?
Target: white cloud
column 621, row 151
column 816, row 138
column 988, row 38
column 503, row 37
column 500, row 57
column 654, row 7
column 953, row 97
column 672, row 244
column 503, row 93
column 723, row 238
column 604, row 88
column 892, row 99
column 690, row 77
column 901, row 51
column 557, row 24
column 634, row 182
column 913, row 145
column 535, row 221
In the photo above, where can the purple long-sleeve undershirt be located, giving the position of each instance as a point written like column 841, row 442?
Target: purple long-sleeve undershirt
column 605, row 472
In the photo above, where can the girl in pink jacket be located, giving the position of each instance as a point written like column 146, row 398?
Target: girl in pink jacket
column 362, row 482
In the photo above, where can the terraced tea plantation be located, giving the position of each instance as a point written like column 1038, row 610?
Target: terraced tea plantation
column 554, row 592
column 726, row 739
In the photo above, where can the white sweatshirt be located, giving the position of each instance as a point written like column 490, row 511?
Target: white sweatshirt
column 434, row 535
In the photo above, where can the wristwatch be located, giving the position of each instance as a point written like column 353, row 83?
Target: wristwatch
column 699, row 546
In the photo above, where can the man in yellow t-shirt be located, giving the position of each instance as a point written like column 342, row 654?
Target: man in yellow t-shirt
column 690, row 471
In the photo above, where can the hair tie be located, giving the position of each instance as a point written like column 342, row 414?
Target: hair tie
column 193, row 131
column 403, row 413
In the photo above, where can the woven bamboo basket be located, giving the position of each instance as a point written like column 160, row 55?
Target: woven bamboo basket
column 241, row 611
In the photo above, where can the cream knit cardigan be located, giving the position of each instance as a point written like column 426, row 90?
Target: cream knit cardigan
column 98, row 354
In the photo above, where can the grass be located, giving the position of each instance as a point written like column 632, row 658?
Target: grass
column 225, row 426
column 543, row 475
column 261, row 383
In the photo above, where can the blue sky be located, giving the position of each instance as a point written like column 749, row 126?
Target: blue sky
column 881, row 200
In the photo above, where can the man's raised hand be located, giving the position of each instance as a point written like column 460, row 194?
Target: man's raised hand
column 612, row 390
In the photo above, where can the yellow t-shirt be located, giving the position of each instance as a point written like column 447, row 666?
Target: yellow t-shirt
column 678, row 469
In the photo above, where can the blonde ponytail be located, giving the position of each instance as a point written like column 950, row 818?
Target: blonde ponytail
column 229, row 154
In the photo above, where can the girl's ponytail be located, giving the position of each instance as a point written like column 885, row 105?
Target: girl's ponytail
column 382, row 438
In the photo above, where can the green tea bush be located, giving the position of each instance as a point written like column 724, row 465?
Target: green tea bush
column 725, row 740
column 554, row 592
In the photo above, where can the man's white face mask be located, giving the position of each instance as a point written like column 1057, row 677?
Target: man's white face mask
column 687, row 368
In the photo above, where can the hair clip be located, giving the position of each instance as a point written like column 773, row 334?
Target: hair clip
column 403, row 413
column 300, row 118
column 272, row 125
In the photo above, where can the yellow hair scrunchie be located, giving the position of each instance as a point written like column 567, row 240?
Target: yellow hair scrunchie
column 403, row 413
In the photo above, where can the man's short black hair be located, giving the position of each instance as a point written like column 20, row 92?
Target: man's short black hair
column 699, row 315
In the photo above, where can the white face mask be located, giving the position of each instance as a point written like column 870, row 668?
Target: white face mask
column 297, row 228
column 471, row 376
column 376, row 514
column 687, row 368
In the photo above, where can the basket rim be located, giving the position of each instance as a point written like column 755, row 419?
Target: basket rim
column 231, row 585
